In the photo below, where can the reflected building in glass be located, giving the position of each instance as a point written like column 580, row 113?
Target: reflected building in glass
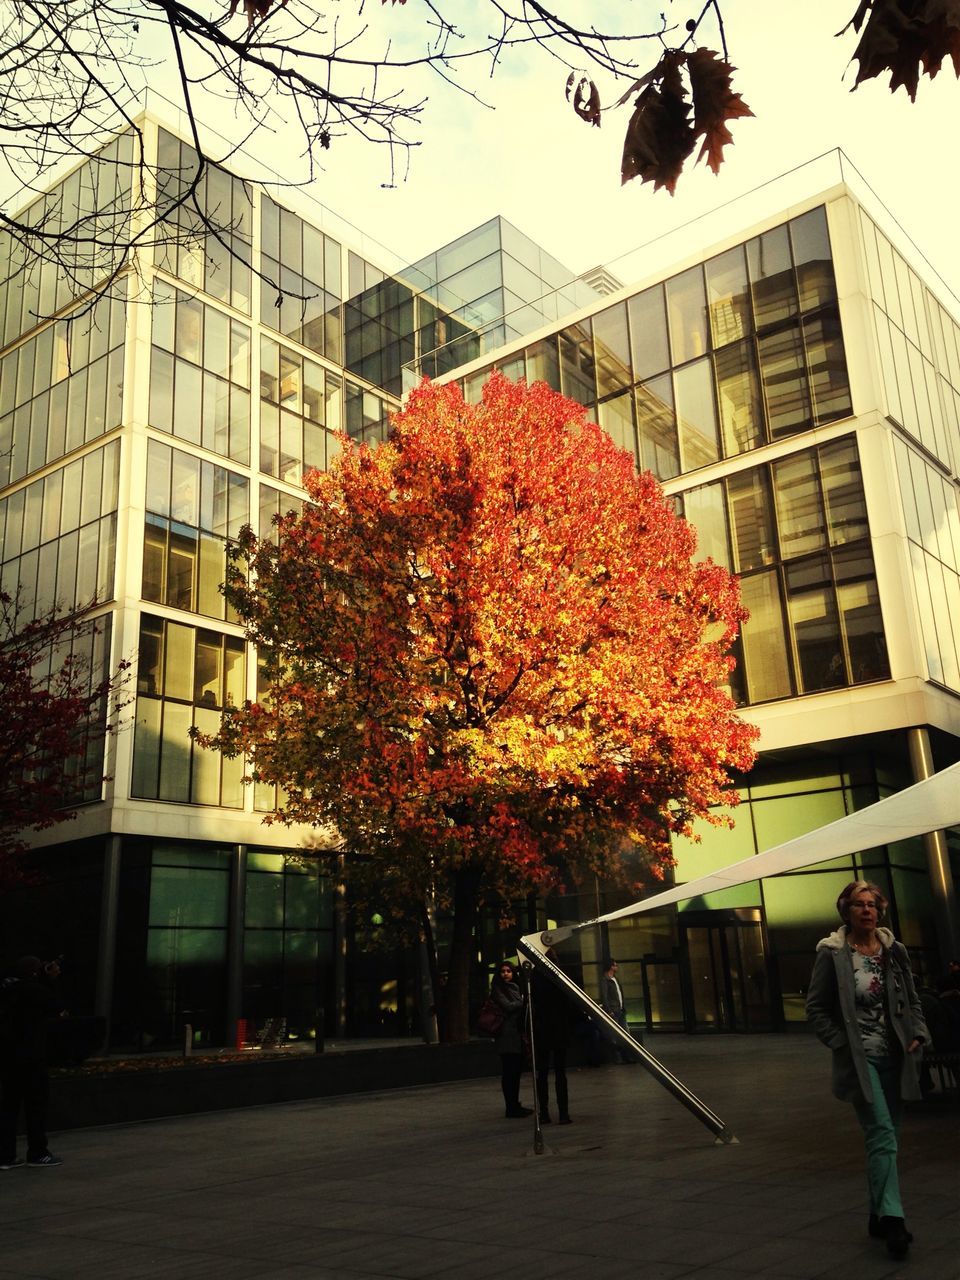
column 794, row 385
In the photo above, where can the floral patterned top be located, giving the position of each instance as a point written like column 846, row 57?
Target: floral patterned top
column 868, row 981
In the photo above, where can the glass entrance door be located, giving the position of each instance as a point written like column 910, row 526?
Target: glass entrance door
column 728, row 975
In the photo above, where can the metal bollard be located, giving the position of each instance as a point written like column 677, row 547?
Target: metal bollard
column 188, row 1040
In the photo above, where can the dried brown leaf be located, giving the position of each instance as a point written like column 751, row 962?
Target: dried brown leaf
column 660, row 135
column 907, row 38
column 714, row 103
column 585, row 97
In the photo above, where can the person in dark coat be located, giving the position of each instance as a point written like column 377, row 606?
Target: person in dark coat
column 29, row 1002
column 508, row 1042
column 551, row 1035
column 864, row 1007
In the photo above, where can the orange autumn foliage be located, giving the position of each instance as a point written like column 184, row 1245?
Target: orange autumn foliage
column 488, row 645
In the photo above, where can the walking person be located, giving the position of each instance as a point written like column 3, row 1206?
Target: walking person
column 29, row 1002
column 612, row 1002
column 864, row 1007
column 508, row 1042
column 551, row 1035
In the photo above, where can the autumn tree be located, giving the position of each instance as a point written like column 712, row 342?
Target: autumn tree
column 57, row 711
column 490, row 659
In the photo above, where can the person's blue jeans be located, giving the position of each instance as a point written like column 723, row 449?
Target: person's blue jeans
column 880, row 1121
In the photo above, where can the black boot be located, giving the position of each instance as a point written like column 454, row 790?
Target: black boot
column 875, row 1229
column 897, row 1236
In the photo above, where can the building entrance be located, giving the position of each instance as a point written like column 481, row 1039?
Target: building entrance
column 727, row 971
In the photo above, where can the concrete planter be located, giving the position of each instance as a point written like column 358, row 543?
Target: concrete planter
column 80, row 1098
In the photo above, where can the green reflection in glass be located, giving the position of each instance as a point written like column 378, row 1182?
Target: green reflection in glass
column 264, row 900
column 188, row 897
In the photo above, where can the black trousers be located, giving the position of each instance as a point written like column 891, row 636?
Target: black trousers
column 559, row 1056
column 511, row 1067
column 23, row 1084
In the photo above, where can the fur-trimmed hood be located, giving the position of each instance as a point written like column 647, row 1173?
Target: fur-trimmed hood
column 838, row 939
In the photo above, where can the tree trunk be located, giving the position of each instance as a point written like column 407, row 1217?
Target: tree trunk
column 456, row 993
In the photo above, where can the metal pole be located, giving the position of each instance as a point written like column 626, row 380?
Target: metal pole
column 238, row 880
column 537, row 1130
column 656, row 1068
column 107, row 951
column 938, row 855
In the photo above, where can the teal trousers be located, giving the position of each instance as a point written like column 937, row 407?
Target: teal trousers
column 880, row 1121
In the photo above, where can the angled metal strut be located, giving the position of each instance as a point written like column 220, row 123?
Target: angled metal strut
column 533, row 947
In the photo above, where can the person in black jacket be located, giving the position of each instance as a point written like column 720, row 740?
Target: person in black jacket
column 551, row 1035
column 508, row 1042
column 29, row 1002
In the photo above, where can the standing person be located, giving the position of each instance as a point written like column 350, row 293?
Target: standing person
column 863, row 1006
column 508, row 1042
column 612, row 1002
column 551, row 1035
column 29, row 1002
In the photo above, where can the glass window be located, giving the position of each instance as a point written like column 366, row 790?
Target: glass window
column 576, row 364
column 656, row 428
column 827, row 367
column 616, row 418
column 696, row 415
column 648, row 333
column 816, row 627
column 784, row 381
column 859, row 606
column 846, row 511
column 772, row 281
column 728, row 295
column 161, row 390
column 763, row 637
column 154, row 559
column 687, row 315
column 888, row 273
column 796, row 488
column 188, row 896
column 182, row 567
column 705, row 509
column 146, row 746
column 185, row 501
column 751, row 519
column 813, row 260
column 178, row 664
column 175, row 748
column 612, row 345
column 738, row 391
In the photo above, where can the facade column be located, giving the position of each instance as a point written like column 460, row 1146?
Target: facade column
column 938, row 855
column 238, row 880
column 107, row 953
column 340, row 958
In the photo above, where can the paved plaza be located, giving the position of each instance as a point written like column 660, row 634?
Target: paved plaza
column 433, row 1182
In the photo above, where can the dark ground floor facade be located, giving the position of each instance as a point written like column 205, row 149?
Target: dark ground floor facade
column 171, row 939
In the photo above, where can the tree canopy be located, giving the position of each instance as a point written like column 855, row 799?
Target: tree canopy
column 489, row 657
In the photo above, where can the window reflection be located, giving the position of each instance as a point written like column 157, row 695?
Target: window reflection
column 696, row 415
column 751, row 519
column 202, row 672
column 656, row 427
column 687, row 315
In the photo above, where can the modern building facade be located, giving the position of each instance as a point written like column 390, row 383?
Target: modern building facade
column 796, row 388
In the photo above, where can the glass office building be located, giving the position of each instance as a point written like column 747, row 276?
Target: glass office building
column 795, row 386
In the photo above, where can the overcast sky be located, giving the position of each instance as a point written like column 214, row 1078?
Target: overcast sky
column 558, row 179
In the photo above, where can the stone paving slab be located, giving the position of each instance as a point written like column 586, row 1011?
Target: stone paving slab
column 433, row 1184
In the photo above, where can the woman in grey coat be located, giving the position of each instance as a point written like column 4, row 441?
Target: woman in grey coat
column 864, row 1007
column 508, row 1042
